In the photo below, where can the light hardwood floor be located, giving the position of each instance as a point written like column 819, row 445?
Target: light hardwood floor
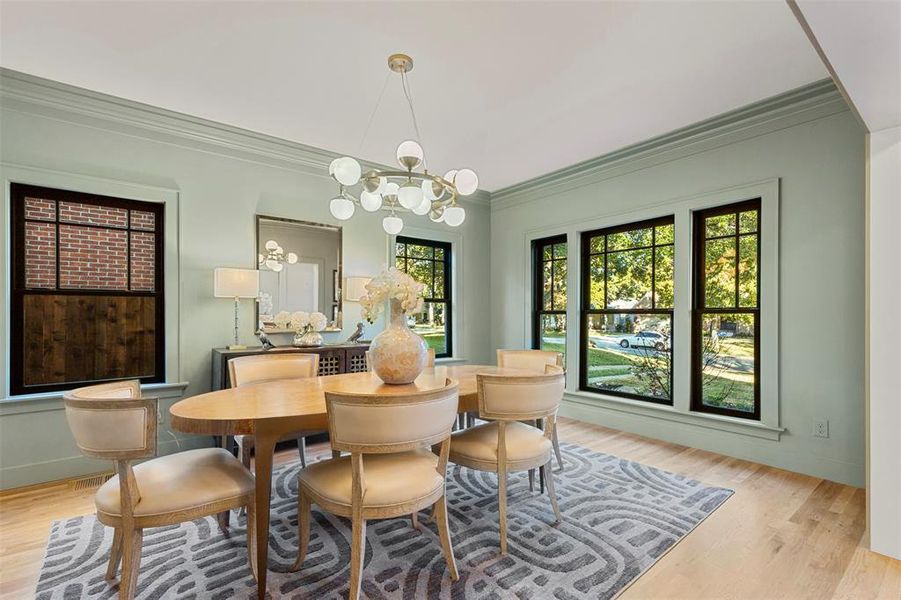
column 782, row 535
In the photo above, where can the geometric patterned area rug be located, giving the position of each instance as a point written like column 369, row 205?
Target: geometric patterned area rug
column 619, row 518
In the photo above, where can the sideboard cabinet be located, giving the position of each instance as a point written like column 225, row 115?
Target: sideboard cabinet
column 333, row 359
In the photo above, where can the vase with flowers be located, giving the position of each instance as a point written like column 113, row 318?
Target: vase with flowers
column 397, row 355
column 306, row 327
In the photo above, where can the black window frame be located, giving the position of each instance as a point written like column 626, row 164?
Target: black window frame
column 448, row 279
column 699, row 308
column 585, row 310
column 538, row 261
column 18, row 194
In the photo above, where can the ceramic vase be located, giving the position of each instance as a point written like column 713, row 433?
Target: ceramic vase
column 397, row 354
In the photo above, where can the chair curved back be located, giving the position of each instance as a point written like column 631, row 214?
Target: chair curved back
column 260, row 367
column 380, row 424
column 112, row 421
column 533, row 360
column 429, row 360
column 518, row 398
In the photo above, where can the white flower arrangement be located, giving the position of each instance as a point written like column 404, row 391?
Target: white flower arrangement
column 391, row 284
column 301, row 321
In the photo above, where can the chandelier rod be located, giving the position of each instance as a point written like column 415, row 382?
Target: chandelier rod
column 378, row 103
column 409, row 96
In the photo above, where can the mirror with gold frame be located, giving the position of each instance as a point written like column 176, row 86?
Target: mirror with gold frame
column 300, row 270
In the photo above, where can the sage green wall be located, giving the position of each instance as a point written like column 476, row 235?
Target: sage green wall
column 223, row 177
column 814, row 146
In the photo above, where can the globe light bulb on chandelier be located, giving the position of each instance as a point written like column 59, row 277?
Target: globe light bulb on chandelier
column 404, row 190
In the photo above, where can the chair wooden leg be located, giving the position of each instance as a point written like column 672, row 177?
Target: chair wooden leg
column 303, row 530
column 115, row 554
column 549, row 477
column 541, row 480
column 251, row 537
column 302, row 450
column 222, row 518
column 336, row 454
column 444, row 535
column 131, row 563
column 357, row 556
column 502, row 508
column 531, row 480
column 556, row 443
column 414, row 518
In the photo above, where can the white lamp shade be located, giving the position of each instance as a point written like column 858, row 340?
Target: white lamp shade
column 370, row 201
column 466, row 182
column 392, row 225
column 410, row 195
column 347, row 171
column 355, row 287
column 236, row 283
column 432, row 190
column 292, row 258
column 454, row 215
column 341, row 208
column 424, row 207
column 391, row 189
column 449, row 176
column 410, row 150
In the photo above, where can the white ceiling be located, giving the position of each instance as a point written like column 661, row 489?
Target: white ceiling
column 862, row 40
column 512, row 90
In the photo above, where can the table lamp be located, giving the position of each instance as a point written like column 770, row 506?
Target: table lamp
column 237, row 284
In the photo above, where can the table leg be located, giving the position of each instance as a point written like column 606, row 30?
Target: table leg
column 264, row 450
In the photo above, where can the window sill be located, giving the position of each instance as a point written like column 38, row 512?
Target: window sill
column 451, row 360
column 668, row 413
column 30, row 403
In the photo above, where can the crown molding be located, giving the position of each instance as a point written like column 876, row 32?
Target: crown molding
column 814, row 101
column 21, row 92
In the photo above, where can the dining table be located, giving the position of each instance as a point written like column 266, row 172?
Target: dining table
column 269, row 410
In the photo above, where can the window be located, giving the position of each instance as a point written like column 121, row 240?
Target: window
column 725, row 316
column 549, row 294
column 429, row 263
column 87, row 293
column 627, row 311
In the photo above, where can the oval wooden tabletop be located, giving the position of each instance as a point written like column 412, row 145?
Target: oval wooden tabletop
column 302, row 401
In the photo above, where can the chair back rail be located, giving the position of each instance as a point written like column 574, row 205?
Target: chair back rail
column 518, row 398
column 251, row 369
column 532, row 360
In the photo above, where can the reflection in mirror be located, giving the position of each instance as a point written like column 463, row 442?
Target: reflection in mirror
column 300, row 270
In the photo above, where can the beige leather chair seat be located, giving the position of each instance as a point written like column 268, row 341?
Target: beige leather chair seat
column 479, row 444
column 181, row 481
column 391, row 479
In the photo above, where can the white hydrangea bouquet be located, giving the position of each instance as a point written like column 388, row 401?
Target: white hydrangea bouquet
column 397, row 355
column 391, row 284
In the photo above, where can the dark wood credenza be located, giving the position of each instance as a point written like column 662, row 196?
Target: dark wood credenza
column 333, row 359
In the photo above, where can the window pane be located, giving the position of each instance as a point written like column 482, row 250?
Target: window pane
column 548, row 252
column 559, row 269
column 431, row 324
column 439, row 254
column 727, row 361
column 747, row 222
column 629, row 279
column 89, row 214
column 629, row 239
column 439, row 279
column 747, row 271
column 42, row 210
column 664, row 234
column 596, row 282
column 421, row 271
column 596, row 244
column 400, row 249
column 559, row 250
column 92, row 258
column 143, row 220
column 553, row 333
column 417, row 251
column 721, row 225
column 631, row 354
column 143, row 253
column 40, row 255
column 663, row 277
column 719, row 271
column 547, row 289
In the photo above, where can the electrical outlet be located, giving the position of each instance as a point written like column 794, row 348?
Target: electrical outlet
column 821, row 428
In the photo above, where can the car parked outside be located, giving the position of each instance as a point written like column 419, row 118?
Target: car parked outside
column 645, row 339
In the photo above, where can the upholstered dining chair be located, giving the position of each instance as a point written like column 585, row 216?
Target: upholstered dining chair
column 505, row 444
column 534, row 360
column 112, row 421
column 246, row 370
column 392, row 469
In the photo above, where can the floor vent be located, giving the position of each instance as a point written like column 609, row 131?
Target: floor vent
column 89, row 482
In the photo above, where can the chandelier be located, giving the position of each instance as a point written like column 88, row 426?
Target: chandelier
column 275, row 257
column 406, row 190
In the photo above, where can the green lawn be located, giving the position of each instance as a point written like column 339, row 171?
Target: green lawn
column 435, row 341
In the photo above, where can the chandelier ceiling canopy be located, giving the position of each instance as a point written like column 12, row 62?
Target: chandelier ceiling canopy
column 404, row 190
